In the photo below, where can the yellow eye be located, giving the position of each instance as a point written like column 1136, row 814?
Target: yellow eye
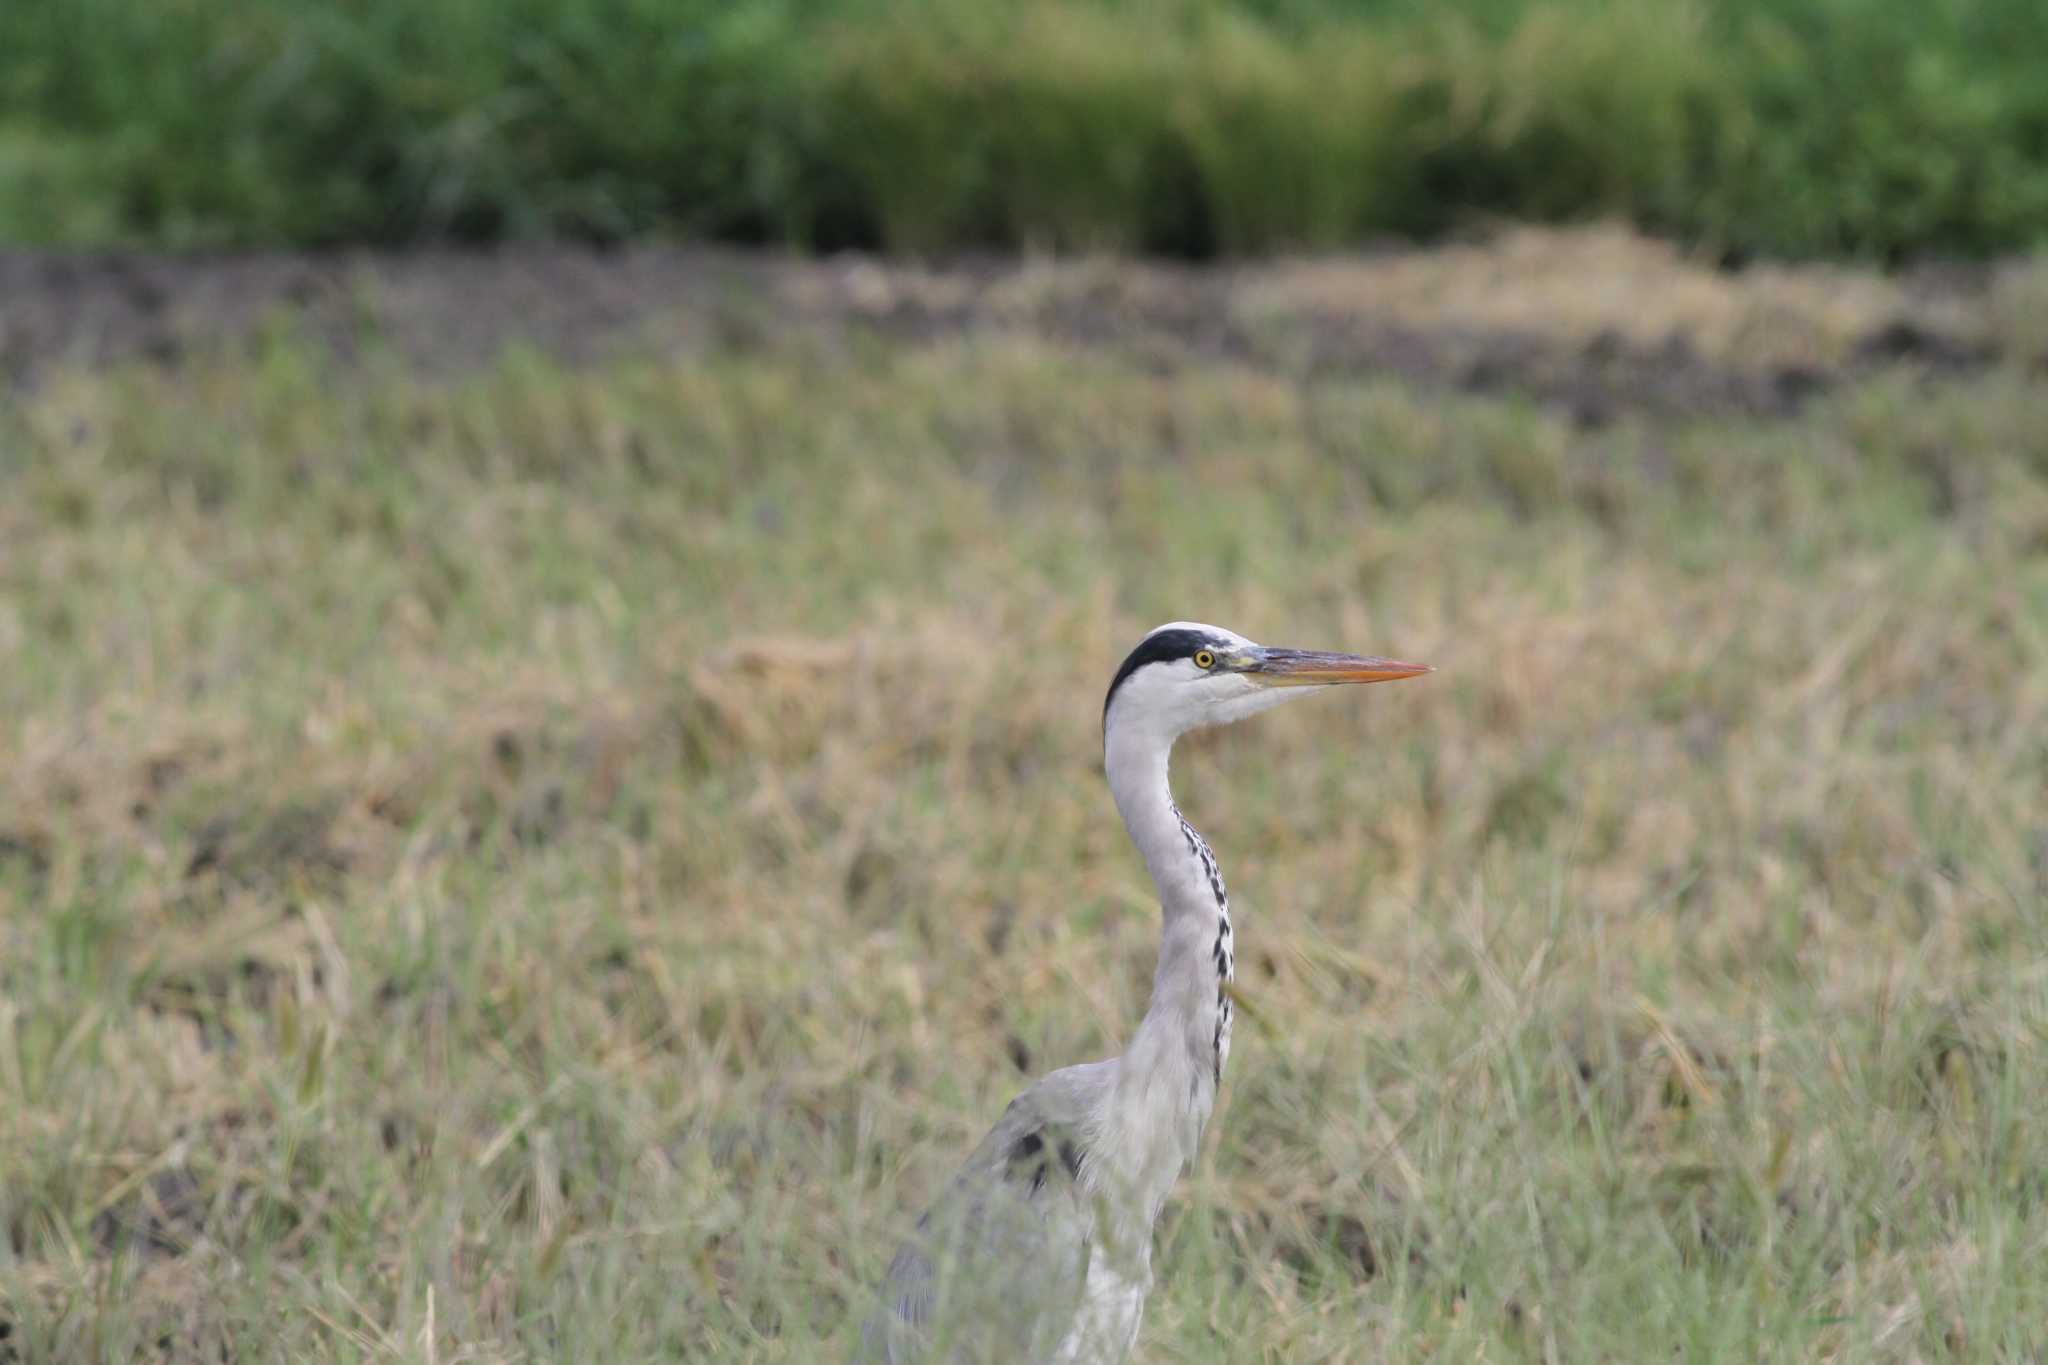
column 1204, row 659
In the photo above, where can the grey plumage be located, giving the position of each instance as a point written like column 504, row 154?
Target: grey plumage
column 1010, row 1233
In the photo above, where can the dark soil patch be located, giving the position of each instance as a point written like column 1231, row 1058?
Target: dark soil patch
column 444, row 311
column 439, row 310
column 161, row 1218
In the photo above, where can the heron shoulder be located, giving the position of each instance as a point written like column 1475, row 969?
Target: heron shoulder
column 1057, row 1116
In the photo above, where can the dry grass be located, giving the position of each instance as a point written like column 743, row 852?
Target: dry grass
column 1598, row 284
column 559, row 865
column 1586, row 283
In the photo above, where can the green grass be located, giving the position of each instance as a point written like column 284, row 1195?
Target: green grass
column 561, row 864
column 1877, row 128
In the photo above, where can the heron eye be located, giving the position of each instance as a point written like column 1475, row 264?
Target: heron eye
column 1204, row 659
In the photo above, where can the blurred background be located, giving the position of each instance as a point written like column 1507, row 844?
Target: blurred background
column 1183, row 127
column 559, row 561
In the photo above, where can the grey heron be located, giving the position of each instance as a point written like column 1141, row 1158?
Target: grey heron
column 1040, row 1250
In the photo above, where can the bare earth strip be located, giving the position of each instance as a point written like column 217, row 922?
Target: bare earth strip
column 1596, row 321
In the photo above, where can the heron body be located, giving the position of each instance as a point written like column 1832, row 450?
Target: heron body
column 1040, row 1249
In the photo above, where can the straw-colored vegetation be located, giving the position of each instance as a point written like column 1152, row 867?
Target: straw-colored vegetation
column 559, row 865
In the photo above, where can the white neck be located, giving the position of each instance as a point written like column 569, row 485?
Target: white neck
column 1169, row 1073
column 1135, row 761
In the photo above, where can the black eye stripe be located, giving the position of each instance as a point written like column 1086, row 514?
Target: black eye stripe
column 1162, row 647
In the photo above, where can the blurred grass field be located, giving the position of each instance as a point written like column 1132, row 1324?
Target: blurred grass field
column 559, row 863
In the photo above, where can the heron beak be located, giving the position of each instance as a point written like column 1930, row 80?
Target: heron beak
column 1314, row 668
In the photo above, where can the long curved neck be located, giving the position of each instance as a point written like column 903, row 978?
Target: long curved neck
column 1168, row 1079
column 1135, row 761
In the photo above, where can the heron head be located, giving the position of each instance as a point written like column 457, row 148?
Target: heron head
column 1185, row 675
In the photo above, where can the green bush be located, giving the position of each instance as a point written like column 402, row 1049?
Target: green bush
column 1870, row 127
column 1882, row 128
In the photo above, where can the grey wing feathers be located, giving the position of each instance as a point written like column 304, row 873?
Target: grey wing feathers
column 995, row 1268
